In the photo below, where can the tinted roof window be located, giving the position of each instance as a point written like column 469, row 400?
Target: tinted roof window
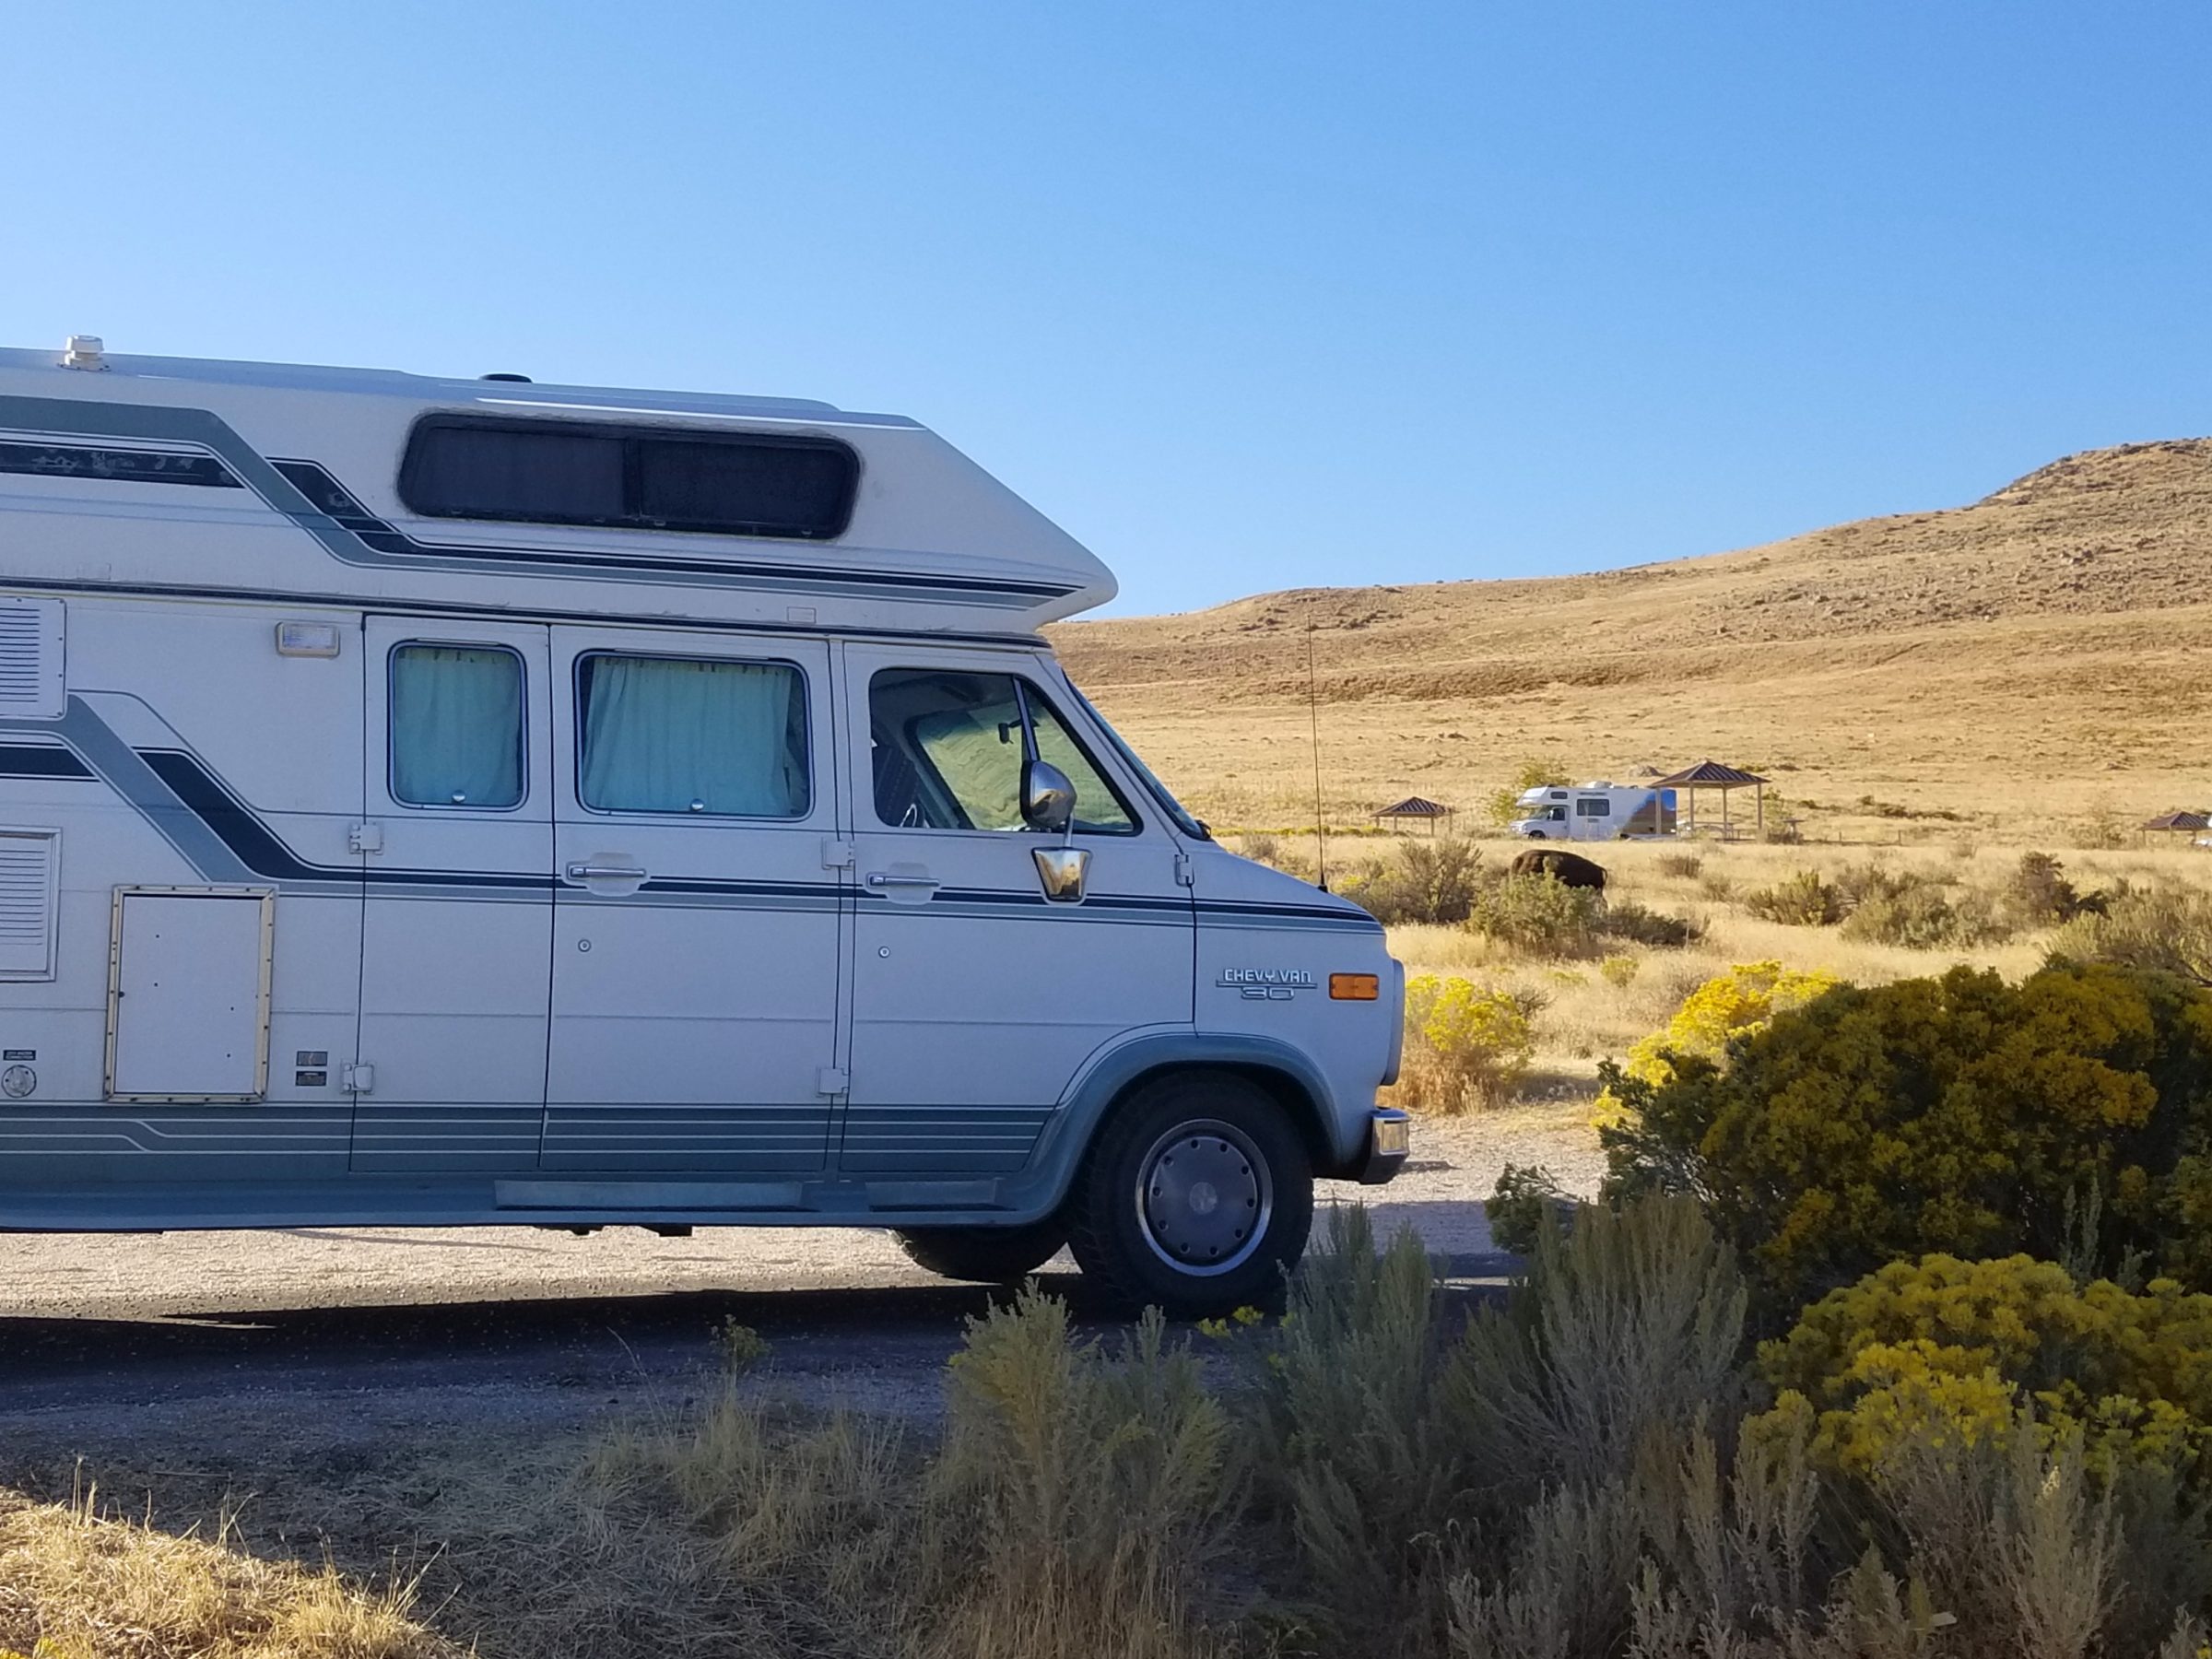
column 564, row 473
column 771, row 489
column 490, row 472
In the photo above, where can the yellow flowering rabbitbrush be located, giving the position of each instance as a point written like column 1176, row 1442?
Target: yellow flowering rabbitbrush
column 1944, row 1351
column 1961, row 1115
column 1466, row 1044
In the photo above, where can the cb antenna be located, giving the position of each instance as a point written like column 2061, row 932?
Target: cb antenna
column 1321, row 832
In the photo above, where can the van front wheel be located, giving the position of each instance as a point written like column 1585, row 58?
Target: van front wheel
column 1197, row 1195
column 985, row 1255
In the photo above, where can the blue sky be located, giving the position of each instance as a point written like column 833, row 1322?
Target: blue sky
column 1247, row 296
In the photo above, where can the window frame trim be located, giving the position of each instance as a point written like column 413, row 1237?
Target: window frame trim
column 628, row 436
column 580, row 707
column 1027, row 690
column 522, row 667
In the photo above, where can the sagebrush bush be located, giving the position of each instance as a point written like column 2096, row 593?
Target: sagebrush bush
column 1946, row 1352
column 1466, row 1045
column 1682, row 866
column 1433, row 881
column 1639, row 923
column 1090, row 1487
column 1803, row 899
column 1536, row 914
column 1619, row 971
column 1908, row 908
column 1526, row 1200
column 1961, row 1115
column 2167, row 928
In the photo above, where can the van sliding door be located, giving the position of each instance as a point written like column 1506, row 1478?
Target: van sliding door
column 695, row 926
column 457, row 925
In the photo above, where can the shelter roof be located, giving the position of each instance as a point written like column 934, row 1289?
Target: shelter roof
column 1703, row 773
column 1415, row 806
column 2179, row 820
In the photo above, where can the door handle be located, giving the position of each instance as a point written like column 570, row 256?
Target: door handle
column 879, row 878
column 605, row 872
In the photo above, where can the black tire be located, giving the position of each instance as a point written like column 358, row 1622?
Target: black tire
column 1144, row 1240
column 986, row 1255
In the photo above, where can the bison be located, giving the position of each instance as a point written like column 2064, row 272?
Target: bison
column 1568, row 869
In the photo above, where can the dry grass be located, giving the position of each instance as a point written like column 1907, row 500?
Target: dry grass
column 76, row 1581
column 2022, row 668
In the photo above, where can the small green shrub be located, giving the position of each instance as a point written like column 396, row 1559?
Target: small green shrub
column 1946, row 1352
column 1536, row 914
column 744, row 1349
column 1640, row 924
column 1619, row 971
column 1805, row 899
column 1466, row 1045
column 1505, row 805
column 2164, row 928
column 1526, row 1200
column 1960, row 1114
column 1431, row 880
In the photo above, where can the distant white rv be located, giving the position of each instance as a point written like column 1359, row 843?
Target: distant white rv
column 1594, row 811
column 442, row 802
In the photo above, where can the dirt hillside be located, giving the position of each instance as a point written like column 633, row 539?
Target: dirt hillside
column 2037, row 664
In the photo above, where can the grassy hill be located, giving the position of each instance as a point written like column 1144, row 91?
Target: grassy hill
column 2037, row 666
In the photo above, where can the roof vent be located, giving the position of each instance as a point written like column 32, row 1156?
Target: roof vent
column 522, row 380
column 84, row 351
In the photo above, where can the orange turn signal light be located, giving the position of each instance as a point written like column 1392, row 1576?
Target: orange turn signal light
column 1354, row 987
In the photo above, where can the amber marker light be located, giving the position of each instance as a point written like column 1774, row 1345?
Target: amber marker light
column 1354, row 987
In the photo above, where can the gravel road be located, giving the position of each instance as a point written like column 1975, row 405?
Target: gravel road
column 209, row 1345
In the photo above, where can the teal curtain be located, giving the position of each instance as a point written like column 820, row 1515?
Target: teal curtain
column 456, row 726
column 670, row 735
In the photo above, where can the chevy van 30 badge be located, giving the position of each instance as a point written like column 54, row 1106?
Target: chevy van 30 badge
column 1267, row 984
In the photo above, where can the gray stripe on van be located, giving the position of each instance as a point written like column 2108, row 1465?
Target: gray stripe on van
column 123, row 770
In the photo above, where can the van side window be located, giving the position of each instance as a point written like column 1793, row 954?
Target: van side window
column 1592, row 806
column 690, row 735
column 946, row 754
column 456, row 726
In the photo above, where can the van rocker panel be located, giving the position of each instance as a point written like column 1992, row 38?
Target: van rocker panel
column 580, row 1200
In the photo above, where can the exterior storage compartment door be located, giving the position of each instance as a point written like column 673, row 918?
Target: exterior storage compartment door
column 188, row 993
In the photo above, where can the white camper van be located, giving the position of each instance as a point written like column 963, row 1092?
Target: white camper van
column 1594, row 811
column 466, row 801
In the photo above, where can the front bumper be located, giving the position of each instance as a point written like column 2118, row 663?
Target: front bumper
column 1389, row 1139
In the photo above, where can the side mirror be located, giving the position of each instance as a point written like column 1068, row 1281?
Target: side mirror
column 1048, row 799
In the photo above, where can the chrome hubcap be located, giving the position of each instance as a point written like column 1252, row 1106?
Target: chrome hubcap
column 1203, row 1195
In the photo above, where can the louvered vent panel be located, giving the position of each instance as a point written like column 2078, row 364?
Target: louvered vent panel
column 29, row 879
column 30, row 659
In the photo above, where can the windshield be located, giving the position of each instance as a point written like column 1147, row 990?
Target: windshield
column 1168, row 804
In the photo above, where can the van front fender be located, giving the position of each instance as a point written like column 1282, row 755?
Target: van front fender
column 1333, row 1142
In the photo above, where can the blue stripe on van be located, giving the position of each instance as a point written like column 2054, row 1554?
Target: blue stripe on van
column 39, row 760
